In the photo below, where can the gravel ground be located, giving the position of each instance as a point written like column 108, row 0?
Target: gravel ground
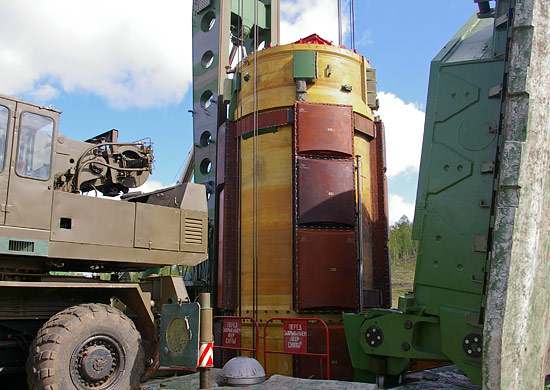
column 449, row 378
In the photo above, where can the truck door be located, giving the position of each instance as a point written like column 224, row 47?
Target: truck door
column 31, row 173
column 7, row 118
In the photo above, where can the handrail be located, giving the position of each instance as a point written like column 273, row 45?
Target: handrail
column 282, row 319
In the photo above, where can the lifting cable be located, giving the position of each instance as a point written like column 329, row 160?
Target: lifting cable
column 239, row 41
column 339, row 22
column 255, row 170
column 352, row 24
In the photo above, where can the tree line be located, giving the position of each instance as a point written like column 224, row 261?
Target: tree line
column 401, row 244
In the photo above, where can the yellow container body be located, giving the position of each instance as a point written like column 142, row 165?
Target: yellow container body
column 276, row 88
column 275, row 233
column 363, row 149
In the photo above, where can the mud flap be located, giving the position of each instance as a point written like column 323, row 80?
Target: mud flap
column 179, row 335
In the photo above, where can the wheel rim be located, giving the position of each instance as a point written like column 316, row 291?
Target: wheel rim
column 97, row 363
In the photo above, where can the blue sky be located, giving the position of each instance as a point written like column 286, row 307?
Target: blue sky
column 127, row 65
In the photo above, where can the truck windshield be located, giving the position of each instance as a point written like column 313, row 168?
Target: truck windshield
column 35, row 146
column 4, row 117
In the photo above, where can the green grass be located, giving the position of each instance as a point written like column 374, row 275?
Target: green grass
column 402, row 277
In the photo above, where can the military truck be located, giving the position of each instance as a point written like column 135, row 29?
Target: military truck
column 71, row 328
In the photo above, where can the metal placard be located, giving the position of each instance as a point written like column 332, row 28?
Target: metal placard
column 231, row 332
column 295, row 336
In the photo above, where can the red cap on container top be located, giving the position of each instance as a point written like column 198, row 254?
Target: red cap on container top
column 314, row 39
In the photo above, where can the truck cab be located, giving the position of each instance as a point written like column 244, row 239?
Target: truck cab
column 27, row 132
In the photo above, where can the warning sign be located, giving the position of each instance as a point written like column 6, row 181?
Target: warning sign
column 295, row 334
column 232, row 332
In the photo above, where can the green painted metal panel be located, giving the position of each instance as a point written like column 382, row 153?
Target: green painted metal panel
column 179, row 335
column 454, row 192
column 305, row 65
column 453, row 216
column 246, row 10
column 215, row 23
column 243, row 14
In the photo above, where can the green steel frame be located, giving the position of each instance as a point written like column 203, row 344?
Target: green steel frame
column 220, row 28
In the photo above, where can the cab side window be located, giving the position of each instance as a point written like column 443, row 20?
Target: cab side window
column 34, row 146
column 4, row 119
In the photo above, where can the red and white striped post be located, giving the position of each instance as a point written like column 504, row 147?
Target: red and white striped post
column 206, row 355
column 206, row 349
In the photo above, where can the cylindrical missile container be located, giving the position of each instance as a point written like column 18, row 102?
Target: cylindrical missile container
column 303, row 208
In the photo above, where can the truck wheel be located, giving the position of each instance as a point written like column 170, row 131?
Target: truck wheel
column 90, row 346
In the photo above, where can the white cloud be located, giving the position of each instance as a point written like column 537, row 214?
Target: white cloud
column 44, row 92
column 129, row 52
column 132, row 53
column 399, row 207
column 404, row 124
column 305, row 17
column 365, row 39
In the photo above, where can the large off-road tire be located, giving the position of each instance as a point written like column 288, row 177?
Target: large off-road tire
column 84, row 347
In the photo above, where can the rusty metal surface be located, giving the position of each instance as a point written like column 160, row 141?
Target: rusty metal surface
column 325, row 270
column 382, row 278
column 324, row 130
column 266, row 119
column 372, row 298
column 364, row 124
column 220, row 246
column 326, row 193
column 340, row 362
column 228, row 229
column 220, row 172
